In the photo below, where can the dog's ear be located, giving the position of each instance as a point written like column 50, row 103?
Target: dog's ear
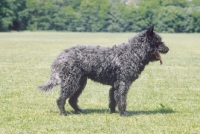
column 150, row 30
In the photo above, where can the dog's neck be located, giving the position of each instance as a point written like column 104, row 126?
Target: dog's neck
column 141, row 53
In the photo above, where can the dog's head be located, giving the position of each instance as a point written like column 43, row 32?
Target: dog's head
column 154, row 43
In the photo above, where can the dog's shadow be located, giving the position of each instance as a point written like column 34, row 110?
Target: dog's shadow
column 148, row 112
column 130, row 113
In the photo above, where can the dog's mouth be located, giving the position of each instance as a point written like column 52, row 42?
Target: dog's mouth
column 158, row 57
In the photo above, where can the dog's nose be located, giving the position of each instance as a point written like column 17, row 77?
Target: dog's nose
column 167, row 49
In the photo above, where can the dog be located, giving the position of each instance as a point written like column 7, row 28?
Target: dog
column 118, row 66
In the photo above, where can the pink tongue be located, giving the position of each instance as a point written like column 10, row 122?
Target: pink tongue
column 160, row 61
column 159, row 58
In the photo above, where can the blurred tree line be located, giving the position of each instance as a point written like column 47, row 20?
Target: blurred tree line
column 100, row 15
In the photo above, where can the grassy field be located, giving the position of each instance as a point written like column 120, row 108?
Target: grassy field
column 165, row 99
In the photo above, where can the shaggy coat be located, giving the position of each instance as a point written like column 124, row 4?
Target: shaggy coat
column 117, row 66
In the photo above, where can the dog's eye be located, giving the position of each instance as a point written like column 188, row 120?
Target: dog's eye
column 158, row 44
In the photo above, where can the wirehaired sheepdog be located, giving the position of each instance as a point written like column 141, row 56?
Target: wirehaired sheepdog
column 117, row 66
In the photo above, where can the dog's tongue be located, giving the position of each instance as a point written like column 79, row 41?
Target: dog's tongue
column 158, row 57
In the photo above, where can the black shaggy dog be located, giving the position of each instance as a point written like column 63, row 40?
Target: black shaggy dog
column 117, row 66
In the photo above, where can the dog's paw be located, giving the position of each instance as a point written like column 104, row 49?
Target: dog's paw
column 112, row 111
column 124, row 114
column 78, row 111
column 64, row 113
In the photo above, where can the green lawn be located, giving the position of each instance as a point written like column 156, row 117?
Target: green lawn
column 165, row 99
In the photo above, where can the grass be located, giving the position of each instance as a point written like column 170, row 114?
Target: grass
column 165, row 99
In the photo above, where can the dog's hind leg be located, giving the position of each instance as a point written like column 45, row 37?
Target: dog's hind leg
column 64, row 94
column 112, row 101
column 61, row 104
column 73, row 100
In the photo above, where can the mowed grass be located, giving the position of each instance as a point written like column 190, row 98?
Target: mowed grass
column 165, row 99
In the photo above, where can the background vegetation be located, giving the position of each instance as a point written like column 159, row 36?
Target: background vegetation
column 165, row 99
column 100, row 15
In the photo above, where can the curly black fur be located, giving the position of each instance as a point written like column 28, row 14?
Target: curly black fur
column 117, row 66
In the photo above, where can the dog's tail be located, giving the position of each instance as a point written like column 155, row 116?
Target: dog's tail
column 53, row 82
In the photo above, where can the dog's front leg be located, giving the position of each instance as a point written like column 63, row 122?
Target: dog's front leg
column 112, row 100
column 120, row 97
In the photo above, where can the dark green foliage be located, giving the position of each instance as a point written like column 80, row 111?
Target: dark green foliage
column 196, row 21
column 6, row 15
column 100, row 15
column 114, row 22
